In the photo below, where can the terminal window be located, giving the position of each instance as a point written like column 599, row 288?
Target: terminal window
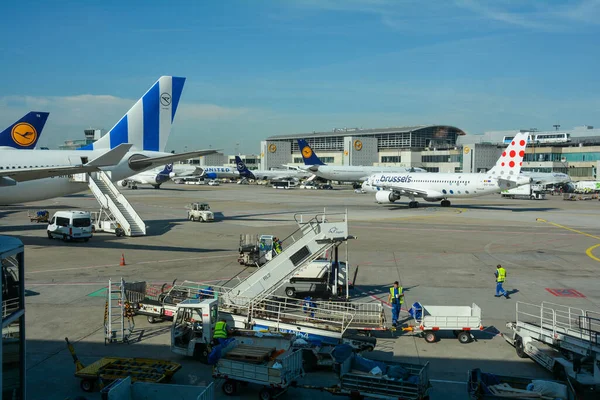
column 390, row 159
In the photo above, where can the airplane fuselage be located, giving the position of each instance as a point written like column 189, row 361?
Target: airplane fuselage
column 355, row 173
column 439, row 185
column 48, row 188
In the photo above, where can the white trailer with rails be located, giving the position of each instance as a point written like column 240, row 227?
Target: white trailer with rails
column 564, row 340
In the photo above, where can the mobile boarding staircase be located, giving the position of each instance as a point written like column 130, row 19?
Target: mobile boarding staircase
column 572, row 332
column 115, row 211
column 253, row 296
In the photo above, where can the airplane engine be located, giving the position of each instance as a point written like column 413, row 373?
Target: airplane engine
column 122, row 183
column 210, row 175
column 386, row 197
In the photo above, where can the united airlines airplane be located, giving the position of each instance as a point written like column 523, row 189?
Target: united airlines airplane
column 31, row 175
column 441, row 187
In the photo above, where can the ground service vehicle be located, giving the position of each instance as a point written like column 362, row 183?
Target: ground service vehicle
column 40, row 216
column 70, row 225
column 200, row 212
column 125, row 389
column 255, row 250
column 461, row 320
column 564, row 340
column 157, row 303
column 529, row 191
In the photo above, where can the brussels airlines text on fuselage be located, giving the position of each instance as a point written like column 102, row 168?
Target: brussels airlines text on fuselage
column 395, row 179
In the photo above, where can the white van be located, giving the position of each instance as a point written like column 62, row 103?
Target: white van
column 70, row 225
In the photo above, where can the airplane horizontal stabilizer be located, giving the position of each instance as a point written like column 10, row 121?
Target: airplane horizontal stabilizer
column 111, row 157
column 154, row 161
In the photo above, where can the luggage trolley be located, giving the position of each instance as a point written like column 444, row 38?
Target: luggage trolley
column 461, row 320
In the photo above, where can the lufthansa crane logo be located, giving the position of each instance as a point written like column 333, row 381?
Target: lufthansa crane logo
column 165, row 99
column 357, row 145
column 23, row 134
column 307, row 152
column 272, row 148
column 467, row 149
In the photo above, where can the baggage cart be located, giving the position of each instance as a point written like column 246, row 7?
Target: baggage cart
column 39, row 216
column 485, row 386
column 273, row 366
column 461, row 320
column 394, row 380
column 108, row 369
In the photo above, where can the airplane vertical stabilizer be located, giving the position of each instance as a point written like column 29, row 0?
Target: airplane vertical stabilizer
column 308, row 155
column 510, row 162
column 25, row 133
column 147, row 125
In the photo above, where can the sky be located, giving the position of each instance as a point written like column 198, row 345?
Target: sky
column 265, row 67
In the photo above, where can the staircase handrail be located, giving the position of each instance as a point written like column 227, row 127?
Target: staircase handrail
column 123, row 200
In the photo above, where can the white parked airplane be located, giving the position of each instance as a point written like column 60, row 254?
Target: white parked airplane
column 344, row 173
column 268, row 174
column 154, row 177
column 146, row 127
column 547, row 178
column 440, row 187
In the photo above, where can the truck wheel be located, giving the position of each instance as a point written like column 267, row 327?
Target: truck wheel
column 265, row 394
column 290, row 292
column 49, row 234
column 229, row 387
column 519, row 347
column 200, row 219
column 464, row 337
column 190, row 217
column 151, row 319
column 430, row 336
column 87, row 385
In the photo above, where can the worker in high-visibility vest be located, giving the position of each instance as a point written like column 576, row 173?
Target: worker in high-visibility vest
column 221, row 332
column 396, row 298
column 500, row 275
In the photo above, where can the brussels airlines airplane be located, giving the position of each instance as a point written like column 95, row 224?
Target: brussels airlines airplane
column 31, row 175
column 440, row 187
column 344, row 173
column 24, row 133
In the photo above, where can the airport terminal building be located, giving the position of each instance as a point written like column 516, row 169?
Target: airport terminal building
column 441, row 148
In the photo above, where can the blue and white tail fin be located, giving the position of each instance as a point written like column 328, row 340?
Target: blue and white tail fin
column 509, row 164
column 242, row 169
column 308, row 155
column 147, row 125
column 167, row 170
column 25, row 133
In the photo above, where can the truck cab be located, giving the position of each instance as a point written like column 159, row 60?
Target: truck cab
column 200, row 212
column 192, row 329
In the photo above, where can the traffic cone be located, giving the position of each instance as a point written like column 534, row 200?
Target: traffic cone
column 122, row 260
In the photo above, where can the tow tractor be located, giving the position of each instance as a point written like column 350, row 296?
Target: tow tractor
column 255, row 250
column 564, row 340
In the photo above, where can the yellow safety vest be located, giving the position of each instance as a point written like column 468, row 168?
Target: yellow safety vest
column 501, row 275
column 401, row 298
column 220, row 330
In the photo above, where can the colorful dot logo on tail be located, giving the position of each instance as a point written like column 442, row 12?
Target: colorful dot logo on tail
column 307, row 152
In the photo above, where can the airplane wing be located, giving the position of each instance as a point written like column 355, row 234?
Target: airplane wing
column 157, row 161
column 406, row 191
column 111, row 157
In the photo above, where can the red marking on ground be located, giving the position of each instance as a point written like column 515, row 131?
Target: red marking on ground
column 565, row 292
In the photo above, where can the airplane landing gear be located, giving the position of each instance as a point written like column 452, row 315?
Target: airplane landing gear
column 445, row 203
column 413, row 204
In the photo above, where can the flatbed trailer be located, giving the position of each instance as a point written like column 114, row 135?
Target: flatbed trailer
column 156, row 302
column 108, row 369
column 395, row 381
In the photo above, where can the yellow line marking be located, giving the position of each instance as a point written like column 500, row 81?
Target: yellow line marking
column 567, row 228
column 589, row 251
column 590, row 254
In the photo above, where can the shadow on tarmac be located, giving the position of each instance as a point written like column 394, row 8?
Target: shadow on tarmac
column 50, row 369
column 458, row 207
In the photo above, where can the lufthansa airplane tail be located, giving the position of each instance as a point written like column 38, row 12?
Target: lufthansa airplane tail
column 242, row 169
column 508, row 166
column 167, row 170
column 308, row 155
column 25, row 133
column 147, row 125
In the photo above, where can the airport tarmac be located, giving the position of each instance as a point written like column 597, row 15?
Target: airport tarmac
column 441, row 256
